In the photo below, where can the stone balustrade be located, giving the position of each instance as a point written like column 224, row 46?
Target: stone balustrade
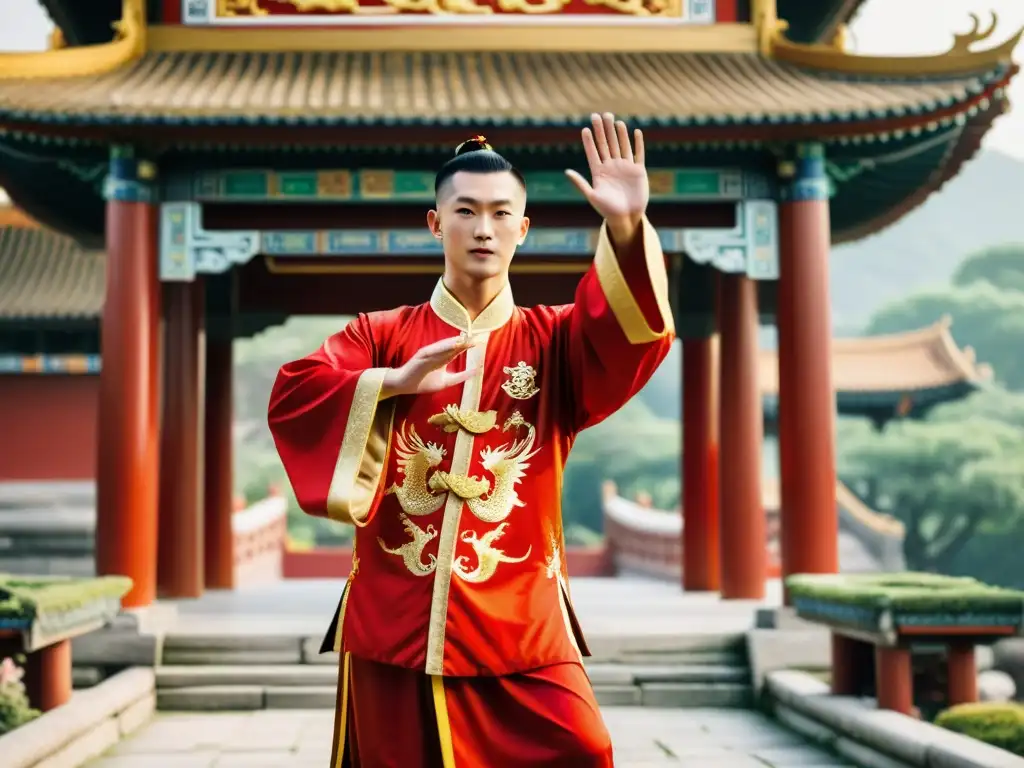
column 260, row 533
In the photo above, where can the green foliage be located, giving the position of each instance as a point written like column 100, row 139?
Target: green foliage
column 996, row 723
column 23, row 597
column 1001, row 266
column 15, row 709
column 985, row 317
column 908, row 592
column 944, row 480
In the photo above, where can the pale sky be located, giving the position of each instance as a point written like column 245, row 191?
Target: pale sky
column 882, row 27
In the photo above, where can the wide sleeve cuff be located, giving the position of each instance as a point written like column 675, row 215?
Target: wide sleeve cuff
column 623, row 294
column 360, row 465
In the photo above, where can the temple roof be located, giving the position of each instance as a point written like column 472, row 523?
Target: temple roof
column 47, row 275
column 876, row 369
column 685, row 89
column 810, row 22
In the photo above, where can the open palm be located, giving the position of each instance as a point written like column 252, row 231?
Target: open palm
column 618, row 189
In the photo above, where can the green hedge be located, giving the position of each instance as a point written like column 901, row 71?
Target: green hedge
column 908, row 592
column 996, row 723
column 24, row 597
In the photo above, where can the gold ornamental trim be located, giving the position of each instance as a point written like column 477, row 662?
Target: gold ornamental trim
column 960, row 59
column 129, row 44
column 513, row 37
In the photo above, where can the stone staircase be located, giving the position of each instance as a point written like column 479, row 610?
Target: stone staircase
column 211, row 672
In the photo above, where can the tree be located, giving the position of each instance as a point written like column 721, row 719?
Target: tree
column 944, row 480
column 1001, row 266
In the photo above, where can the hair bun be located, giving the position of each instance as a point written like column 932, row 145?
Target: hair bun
column 474, row 144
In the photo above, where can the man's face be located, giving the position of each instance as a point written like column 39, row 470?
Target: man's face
column 480, row 219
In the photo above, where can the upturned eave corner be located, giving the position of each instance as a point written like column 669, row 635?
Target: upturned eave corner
column 62, row 61
column 960, row 59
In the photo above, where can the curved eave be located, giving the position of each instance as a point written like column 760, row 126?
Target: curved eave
column 888, row 404
column 83, row 23
column 965, row 142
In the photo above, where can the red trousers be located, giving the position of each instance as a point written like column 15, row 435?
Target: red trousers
column 392, row 717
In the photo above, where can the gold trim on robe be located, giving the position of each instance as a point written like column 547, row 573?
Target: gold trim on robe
column 620, row 298
column 450, row 309
column 360, row 464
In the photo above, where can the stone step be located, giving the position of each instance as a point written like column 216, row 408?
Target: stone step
column 705, row 650
column 206, row 698
column 303, row 675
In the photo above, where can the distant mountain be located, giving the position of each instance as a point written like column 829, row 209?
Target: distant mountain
column 981, row 207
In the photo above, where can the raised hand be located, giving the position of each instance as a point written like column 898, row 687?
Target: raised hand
column 427, row 370
column 618, row 189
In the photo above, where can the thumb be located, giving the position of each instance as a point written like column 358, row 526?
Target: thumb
column 581, row 184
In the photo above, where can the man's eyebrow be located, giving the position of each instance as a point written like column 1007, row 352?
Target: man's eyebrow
column 474, row 201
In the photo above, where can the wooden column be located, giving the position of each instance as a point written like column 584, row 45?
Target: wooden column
column 48, row 676
column 218, row 471
column 961, row 674
column 807, row 404
column 743, row 535
column 180, row 562
column 128, row 415
column 894, row 680
column 700, row 465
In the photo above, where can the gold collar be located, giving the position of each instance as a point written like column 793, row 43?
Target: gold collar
column 450, row 309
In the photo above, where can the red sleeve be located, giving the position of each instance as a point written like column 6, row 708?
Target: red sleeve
column 329, row 431
column 620, row 327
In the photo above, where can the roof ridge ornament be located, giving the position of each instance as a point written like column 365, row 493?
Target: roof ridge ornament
column 129, row 44
column 960, row 59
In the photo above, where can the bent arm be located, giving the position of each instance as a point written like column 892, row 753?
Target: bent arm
column 330, row 429
column 620, row 327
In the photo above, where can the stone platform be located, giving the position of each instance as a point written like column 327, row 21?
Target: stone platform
column 643, row 738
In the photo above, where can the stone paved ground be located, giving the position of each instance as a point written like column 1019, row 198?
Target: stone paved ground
column 644, row 738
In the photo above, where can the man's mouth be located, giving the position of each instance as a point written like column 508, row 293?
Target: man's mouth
column 482, row 251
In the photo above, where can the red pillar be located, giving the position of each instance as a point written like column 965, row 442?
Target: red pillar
column 894, row 680
column 852, row 664
column 810, row 523
column 742, row 522
column 48, row 676
column 180, row 561
column 218, row 471
column 962, row 674
column 128, row 415
column 700, row 465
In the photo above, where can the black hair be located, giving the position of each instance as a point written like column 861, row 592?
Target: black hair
column 475, row 155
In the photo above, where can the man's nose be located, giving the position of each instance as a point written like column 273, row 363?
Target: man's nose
column 484, row 228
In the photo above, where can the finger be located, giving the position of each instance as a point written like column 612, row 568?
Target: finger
column 590, row 150
column 622, row 132
column 441, row 347
column 600, row 137
column 581, row 184
column 609, row 129
column 638, row 152
column 448, row 380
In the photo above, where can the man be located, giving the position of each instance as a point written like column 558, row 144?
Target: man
column 441, row 432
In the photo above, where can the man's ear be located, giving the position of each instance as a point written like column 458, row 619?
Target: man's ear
column 434, row 223
column 524, row 227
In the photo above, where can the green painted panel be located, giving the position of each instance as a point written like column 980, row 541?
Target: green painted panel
column 245, row 184
column 301, row 185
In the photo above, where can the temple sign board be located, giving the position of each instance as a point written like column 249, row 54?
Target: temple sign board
column 376, row 12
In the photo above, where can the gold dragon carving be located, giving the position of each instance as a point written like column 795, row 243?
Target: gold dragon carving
column 508, row 463
column 415, row 460
column 412, row 551
column 488, row 557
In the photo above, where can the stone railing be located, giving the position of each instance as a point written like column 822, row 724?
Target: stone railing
column 868, row 736
column 260, row 533
column 641, row 540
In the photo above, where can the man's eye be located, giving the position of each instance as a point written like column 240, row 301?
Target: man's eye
column 464, row 211
column 504, row 213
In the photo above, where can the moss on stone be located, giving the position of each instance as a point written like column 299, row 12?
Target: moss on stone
column 909, row 592
column 24, row 597
column 997, row 723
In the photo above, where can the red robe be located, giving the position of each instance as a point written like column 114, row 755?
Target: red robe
column 460, row 568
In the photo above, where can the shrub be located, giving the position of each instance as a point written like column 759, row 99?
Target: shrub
column 997, row 723
column 15, row 709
